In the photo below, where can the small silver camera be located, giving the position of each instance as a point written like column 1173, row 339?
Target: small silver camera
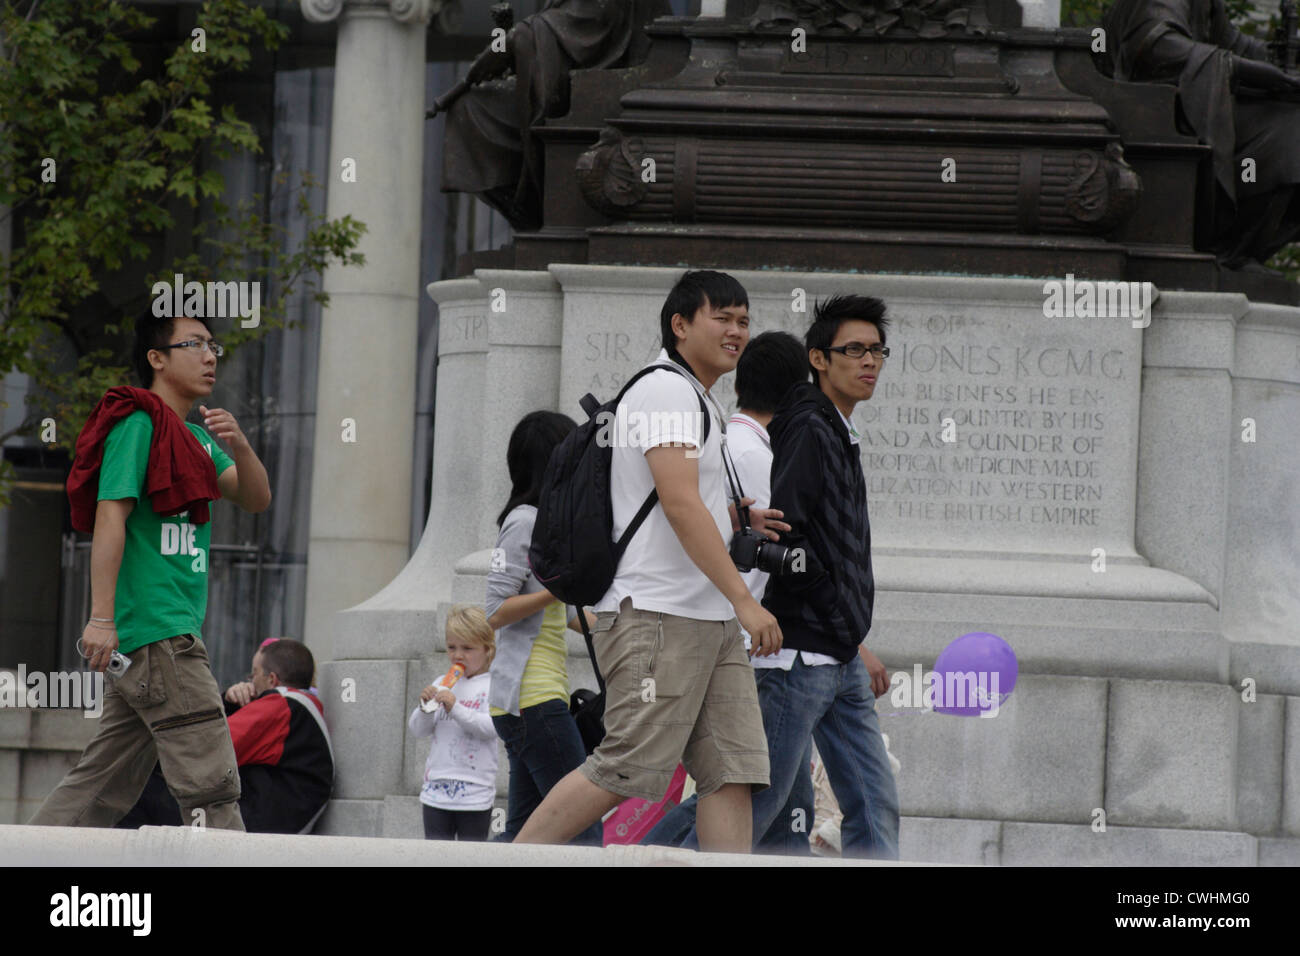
column 117, row 665
column 117, row 662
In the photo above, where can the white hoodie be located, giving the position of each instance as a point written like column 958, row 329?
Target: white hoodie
column 461, row 770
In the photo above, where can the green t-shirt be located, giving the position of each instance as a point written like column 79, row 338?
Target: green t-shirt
column 162, row 587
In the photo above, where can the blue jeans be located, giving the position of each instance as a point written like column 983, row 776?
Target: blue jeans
column 832, row 704
column 787, row 835
column 543, row 745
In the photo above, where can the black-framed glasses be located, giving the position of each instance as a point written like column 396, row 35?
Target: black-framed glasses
column 855, row 350
column 215, row 347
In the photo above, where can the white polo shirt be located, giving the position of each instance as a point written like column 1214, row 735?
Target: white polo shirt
column 663, row 408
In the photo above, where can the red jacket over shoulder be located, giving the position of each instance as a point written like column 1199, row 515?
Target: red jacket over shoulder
column 181, row 476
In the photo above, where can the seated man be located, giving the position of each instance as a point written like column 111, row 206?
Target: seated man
column 1238, row 102
column 282, row 746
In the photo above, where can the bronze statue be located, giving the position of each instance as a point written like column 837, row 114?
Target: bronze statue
column 490, row 149
column 1235, row 100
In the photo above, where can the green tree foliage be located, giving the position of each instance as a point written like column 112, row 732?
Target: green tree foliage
column 96, row 154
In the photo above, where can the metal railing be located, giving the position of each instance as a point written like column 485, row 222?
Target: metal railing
column 240, row 579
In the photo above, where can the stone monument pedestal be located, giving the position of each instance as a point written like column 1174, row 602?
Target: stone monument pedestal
column 1113, row 494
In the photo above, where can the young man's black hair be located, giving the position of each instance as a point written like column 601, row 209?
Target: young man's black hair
column 692, row 291
column 153, row 332
column 829, row 315
column 770, row 364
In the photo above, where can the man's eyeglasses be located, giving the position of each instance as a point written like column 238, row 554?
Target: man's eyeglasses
column 855, row 350
column 200, row 344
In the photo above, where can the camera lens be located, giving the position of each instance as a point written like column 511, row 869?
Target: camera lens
column 773, row 558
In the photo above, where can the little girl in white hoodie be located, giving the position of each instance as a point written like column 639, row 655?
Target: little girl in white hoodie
column 460, row 772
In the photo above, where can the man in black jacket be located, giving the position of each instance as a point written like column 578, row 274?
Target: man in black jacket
column 827, row 690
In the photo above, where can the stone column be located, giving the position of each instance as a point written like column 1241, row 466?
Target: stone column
column 524, row 324
column 361, row 488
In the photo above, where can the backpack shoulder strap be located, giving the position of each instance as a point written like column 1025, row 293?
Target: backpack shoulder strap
column 672, row 367
column 591, row 650
column 621, row 545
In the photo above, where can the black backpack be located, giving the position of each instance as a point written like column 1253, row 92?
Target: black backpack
column 572, row 552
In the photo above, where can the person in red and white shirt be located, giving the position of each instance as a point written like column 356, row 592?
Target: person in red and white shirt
column 282, row 747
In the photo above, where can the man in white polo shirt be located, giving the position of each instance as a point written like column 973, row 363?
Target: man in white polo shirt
column 679, row 684
column 771, row 364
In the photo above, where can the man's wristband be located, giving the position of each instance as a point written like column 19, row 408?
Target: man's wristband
column 101, row 627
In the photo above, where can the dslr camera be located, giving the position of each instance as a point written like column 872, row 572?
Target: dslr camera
column 750, row 550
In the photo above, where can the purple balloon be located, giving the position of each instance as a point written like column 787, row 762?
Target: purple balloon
column 978, row 671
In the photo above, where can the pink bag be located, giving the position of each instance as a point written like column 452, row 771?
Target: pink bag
column 634, row 818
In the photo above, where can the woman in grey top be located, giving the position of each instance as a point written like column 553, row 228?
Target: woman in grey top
column 529, row 695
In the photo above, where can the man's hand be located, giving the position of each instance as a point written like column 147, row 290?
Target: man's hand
column 244, row 482
column 221, row 423
column 879, row 676
column 764, row 632
column 763, row 520
column 241, row 693
column 98, row 642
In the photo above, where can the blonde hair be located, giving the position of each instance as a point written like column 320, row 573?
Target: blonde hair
column 469, row 623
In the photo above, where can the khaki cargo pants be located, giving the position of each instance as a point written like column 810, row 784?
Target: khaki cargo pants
column 166, row 708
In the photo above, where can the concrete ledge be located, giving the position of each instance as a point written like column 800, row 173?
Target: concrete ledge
column 1259, row 764
column 1291, row 769
column 1171, row 755
column 359, row 818
column 1067, row 577
column 366, row 726
column 1041, row 758
column 1058, row 636
column 1274, row 852
column 15, row 727
column 1055, row 844
column 403, row 818
column 936, row 840
column 62, row 729
column 187, row 846
column 1275, row 668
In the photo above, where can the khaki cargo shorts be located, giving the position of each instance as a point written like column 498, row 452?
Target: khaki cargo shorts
column 678, row 690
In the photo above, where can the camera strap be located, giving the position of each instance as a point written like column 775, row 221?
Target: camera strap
column 728, row 466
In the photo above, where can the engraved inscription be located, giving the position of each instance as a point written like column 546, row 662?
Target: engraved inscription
column 963, row 433
column 908, row 59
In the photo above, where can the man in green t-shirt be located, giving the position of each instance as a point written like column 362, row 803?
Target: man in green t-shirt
column 148, row 597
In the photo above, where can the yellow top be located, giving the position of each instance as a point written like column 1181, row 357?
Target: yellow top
column 545, row 675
